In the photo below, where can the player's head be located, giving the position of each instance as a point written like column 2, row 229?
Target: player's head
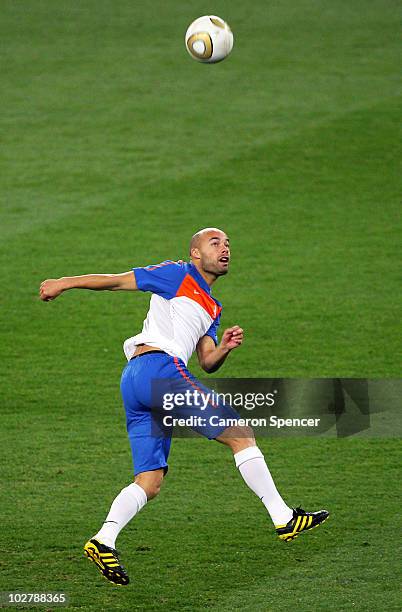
column 209, row 250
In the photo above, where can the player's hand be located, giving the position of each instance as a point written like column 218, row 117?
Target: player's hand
column 50, row 289
column 232, row 338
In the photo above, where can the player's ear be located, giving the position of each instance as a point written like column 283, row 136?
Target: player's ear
column 195, row 253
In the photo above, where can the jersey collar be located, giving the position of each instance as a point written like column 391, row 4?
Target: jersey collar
column 200, row 280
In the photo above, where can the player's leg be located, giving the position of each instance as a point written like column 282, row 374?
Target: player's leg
column 149, row 450
column 150, row 454
column 128, row 503
column 101, row 547
column 248, row 457
column 250, row 461
column 252, row 466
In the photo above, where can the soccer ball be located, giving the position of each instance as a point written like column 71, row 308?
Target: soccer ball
column 209, row 39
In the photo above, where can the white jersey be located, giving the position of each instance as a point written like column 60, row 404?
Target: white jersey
column 181, row 309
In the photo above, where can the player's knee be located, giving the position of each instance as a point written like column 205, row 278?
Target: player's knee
column 153, row 490
column 245, row 433
column 237, row 437
column 239, row 444
column 151, row 482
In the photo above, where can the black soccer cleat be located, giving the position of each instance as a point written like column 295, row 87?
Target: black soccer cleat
column 107, row 561
column 301, row 521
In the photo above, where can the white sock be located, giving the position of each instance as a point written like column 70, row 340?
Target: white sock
column 256, row 475
column 126, row 505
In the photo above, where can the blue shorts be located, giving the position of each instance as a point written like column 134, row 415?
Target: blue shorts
column 144, row 381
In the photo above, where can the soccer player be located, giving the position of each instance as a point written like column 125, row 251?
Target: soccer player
column 183, row 317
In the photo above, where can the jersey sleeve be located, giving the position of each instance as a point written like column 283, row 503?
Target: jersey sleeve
column 163, row 279
column 213, row 330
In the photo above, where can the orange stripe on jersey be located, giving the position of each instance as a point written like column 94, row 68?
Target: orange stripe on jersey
column 192, row 383
column 191, row 289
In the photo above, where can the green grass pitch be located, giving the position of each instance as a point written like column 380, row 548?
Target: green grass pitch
column 115, row 147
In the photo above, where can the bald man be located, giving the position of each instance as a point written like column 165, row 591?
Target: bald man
column 183, row 317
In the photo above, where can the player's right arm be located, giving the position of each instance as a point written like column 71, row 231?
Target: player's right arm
column 50, row 289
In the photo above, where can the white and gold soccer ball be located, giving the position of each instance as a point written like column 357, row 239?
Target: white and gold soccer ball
column 209, row 39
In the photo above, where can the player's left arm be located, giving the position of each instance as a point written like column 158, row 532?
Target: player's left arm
column 211, row 357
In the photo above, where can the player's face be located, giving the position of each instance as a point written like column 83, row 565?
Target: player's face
column 215, row 253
